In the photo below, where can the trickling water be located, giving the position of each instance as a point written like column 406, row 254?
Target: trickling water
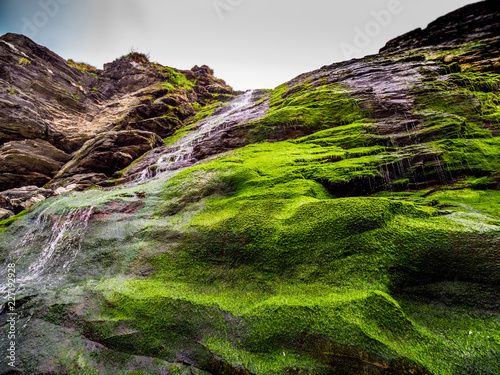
column 43, row 259
column 180, row 155
column 440, row 170
column 401, row 169
column 387, row 178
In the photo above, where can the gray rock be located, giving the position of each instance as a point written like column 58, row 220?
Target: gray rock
column 23, row 198
column 5, row 214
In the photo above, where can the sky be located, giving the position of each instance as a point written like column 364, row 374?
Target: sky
column 249, row 43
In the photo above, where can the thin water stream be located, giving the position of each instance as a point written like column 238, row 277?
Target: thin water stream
column 179, row 155
column 48, row 249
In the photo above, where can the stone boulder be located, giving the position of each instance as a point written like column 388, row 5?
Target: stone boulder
column 5, row 214
column 29, row 162
column 20, row 199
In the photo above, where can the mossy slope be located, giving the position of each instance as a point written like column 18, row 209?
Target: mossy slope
column 367, row 243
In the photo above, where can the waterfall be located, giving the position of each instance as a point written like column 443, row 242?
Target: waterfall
column 180, row 154
column 46, row 252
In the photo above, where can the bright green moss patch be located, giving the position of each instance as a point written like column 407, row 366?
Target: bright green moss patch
column 465, row 340
column 268, row 331
column 273, row 320
column 178, row 79
column 472, row 96
column 477, row 81
column 5, row 223
column 470, row 154
column 485, row 202
column 205, row 111
column 358, row 134
column 440, row 125
column 490, row 110
column 312, row 107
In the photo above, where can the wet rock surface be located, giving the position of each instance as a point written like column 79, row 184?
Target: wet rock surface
column 104, row 155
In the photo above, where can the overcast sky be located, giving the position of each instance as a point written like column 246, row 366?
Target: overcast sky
column 249, row 43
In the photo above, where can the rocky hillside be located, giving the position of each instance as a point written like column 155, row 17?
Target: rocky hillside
column 69, row 124
column 345, row 222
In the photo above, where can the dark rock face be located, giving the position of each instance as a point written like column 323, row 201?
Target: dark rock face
column 472, row 22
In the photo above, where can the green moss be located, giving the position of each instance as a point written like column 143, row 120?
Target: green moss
column 485, row 202
column 316, row 108
column 357, row 134
column 482, row 155
column 472, row 336
column 166, row 86
column 477, row 81
column 439, row 125
column 470, row 96
column 270, row 330
column 5, row 223
column 177, row 78
column 24, row 61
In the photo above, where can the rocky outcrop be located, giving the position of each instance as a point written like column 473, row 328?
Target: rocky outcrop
column 100, row 157
column 20, row 199
column 472, row 22
column 60, row 105
column 42, row 96
column 5, row 214
column 29, row 162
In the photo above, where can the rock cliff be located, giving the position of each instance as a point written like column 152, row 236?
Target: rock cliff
column 56, row 112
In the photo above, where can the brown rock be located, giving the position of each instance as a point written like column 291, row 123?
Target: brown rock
column 29, row 162
column 99, row 158
column 60, row 107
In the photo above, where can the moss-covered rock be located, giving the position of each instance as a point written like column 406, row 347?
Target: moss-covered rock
column 345, row 222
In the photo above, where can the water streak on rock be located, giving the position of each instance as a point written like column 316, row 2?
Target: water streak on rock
column 180, row 155
column 43, row 259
